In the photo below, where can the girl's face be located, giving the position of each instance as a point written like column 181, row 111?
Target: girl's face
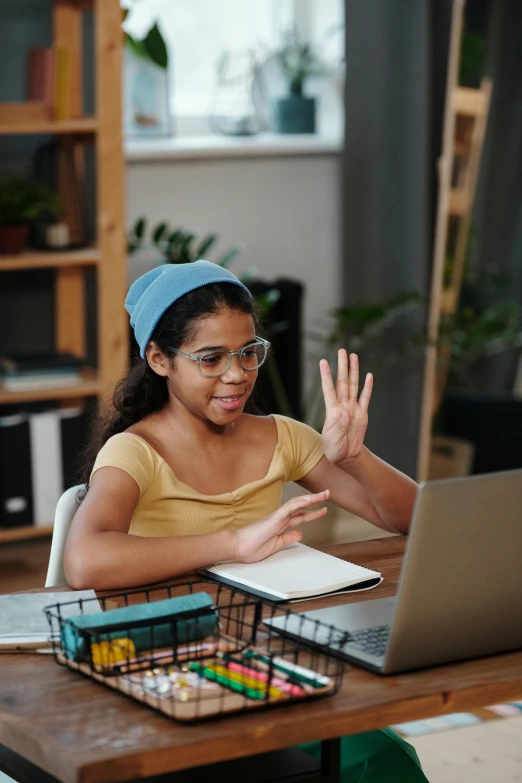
column 219, row 400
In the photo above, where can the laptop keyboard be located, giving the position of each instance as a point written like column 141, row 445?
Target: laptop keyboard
column 371, row 640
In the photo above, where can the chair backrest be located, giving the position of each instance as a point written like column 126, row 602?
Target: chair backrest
column 65, row 511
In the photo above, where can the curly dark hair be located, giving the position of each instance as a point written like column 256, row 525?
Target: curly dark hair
column 142, row 392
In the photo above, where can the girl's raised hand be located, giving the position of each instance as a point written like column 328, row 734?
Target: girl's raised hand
column 346, row 412
column 261, row 539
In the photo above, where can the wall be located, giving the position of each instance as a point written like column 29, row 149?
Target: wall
column 284, row 210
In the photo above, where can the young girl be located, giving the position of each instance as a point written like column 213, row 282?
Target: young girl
column 187, row 477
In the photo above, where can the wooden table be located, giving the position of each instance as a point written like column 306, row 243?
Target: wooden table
column 81, row 732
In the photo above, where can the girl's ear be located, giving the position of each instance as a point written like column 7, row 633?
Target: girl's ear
column 158, row 361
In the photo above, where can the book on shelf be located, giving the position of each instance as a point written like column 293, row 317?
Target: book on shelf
column 40, row 371
column 42, row 381
column 70, row 183
column 41, row 77
column 49, row 80
column 295, row 573
column 61, row 164
column 62, row 96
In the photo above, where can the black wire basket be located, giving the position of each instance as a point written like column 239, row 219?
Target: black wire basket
column 215, row 655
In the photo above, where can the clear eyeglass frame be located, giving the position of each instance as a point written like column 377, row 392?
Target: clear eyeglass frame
column 199, row 357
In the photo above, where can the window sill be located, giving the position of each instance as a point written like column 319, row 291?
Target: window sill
column 205, row 147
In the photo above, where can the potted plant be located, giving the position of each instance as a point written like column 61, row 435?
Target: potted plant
column 22, row 204
column 295, row 113
column 482, row 345
column 146, row 110
column 176, row 246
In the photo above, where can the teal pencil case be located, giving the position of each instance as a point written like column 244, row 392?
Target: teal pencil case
column 149, row 626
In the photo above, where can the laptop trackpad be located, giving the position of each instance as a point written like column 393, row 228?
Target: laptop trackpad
column 357, row 616
column 346, row 618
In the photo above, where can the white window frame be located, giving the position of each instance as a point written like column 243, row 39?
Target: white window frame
column 285, row 15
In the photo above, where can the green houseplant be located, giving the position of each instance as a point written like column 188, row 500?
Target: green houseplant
column 146, row 93
column 295, row 113
column 22, row 203
column 482, row 347
column 176, row 246
column 488, row 324
column 150, row 47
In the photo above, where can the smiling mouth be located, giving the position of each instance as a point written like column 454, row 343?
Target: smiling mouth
column 230, row 398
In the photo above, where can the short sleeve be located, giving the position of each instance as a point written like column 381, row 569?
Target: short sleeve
column 131, row 454
column 301, row 445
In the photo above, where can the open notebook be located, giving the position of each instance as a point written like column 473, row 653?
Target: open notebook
column 24, row 625
column 295, row 573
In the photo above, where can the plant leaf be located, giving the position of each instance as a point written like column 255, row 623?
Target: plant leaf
column 185, row 253
column 208, row 242
column 229, row 256
column 155, row 47
column 136, row 47
column 159, row 232
column 139, row 228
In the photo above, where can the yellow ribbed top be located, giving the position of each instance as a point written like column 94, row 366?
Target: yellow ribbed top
column 168, row 507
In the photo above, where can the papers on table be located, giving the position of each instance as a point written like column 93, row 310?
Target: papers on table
column 23, row 622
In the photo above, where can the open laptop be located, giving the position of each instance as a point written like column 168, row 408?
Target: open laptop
column 460, row 589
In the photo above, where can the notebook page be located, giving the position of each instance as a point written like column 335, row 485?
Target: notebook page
column 23, row 618
column 295, row 571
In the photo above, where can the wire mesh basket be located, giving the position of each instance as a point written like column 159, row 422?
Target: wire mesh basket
column 193, row 650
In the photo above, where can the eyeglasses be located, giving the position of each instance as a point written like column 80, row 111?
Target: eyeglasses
column 214, row 363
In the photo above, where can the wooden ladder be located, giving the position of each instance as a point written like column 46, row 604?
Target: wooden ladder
column 465, row 122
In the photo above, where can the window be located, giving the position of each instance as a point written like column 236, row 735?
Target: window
column 198, row 31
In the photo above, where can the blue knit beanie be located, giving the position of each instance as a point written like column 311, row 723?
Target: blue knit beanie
column 153, row 293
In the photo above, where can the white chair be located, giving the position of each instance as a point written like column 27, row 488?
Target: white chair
column 65, row 510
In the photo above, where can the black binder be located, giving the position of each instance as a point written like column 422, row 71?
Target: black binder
column 74, row 425
column 16, row 504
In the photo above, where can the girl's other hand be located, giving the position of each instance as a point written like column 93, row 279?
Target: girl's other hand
column 261, row 539
column 346, row 416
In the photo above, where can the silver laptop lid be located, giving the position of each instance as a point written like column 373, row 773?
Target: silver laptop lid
column 460, row 591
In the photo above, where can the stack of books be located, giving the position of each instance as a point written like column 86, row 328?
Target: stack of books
column 39, row 371
column 49, row 80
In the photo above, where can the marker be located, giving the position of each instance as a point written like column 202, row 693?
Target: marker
column 297, row 672
column 204, row 671
column 286, row 687
column 249, row 682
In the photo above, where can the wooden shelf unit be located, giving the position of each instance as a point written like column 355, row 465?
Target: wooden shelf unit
column 108, row 257
column 24, row 533
column 89, row 386
column 458, row 171
column 83, row 125
column 89, row 256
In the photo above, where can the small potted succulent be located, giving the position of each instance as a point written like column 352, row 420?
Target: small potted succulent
column 22, row 203
column 295, row 113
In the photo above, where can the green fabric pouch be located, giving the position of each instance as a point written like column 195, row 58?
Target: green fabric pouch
column 149, row 626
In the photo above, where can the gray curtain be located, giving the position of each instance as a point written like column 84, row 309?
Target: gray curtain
column 497, row 218
column 396, row 55
column 498, row 212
